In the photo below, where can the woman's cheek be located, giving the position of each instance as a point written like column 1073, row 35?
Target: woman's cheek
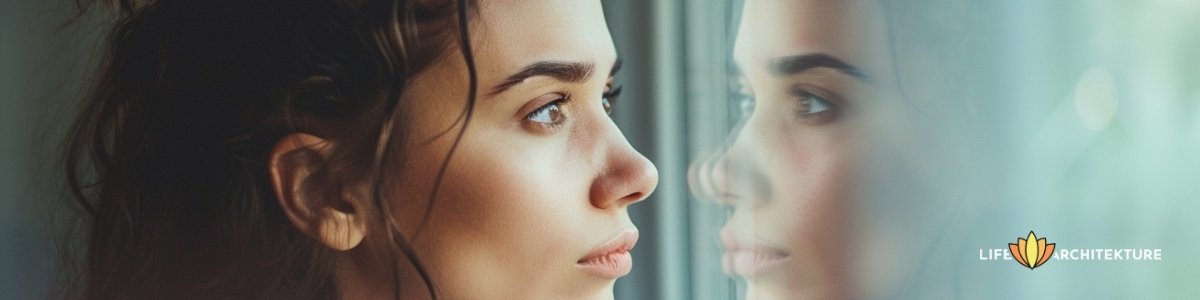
column 516, row 182
column 819, row 196
column 508, row 211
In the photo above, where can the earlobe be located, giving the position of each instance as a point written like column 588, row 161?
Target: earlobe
column 335, row 222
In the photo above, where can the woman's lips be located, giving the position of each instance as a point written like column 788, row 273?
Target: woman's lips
column 611, row 259
column 745, row 256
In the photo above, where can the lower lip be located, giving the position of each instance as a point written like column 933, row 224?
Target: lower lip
column 749, row 263
column 613, row 265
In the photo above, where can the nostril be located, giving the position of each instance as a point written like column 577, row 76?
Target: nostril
column 729, row 199
column 625, row 183
column 637, row 196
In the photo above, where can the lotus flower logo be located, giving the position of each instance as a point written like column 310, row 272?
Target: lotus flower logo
column 1031, row 251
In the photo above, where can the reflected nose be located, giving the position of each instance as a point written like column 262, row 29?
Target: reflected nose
column 728, row 172
column 627, row 178
column 728, row 176
column 700, row 174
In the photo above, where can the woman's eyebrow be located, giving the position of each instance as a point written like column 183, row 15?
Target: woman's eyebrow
column 561, row 70
column 791, row 65
column 565, row 71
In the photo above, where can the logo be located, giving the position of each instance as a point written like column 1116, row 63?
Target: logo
column 1031, row 251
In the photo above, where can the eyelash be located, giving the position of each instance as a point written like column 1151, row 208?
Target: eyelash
column 745, row 101
column 557, row 103
column 816, row 118
column 611, row 95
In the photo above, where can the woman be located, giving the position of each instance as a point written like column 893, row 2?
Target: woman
column 369, row 149
column 829, row 172
column 784, row 173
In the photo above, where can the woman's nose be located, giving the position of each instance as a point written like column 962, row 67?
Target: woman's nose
column 628, row 178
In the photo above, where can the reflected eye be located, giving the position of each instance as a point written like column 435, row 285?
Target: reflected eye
column 813, row 104
column 549, row 114
column 746, row 104
column 743, row 97
column 812, row 107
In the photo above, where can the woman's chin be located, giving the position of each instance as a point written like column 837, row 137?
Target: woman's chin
column 606, row 294
column 779, row 288
column 589, row 287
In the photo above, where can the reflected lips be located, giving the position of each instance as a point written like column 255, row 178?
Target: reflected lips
column 611, row 259
column 748, row 257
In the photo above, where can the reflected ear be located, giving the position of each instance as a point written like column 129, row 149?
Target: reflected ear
column 327, row 216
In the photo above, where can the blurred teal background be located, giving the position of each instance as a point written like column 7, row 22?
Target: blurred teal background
column 1080, row 121
column 43, row 67
column 1103, row 148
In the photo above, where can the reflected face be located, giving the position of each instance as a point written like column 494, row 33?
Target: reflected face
column 533, row 203
column 807, row 71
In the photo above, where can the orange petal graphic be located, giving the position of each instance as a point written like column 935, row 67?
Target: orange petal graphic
column 1045, row 254
column 1017, row 253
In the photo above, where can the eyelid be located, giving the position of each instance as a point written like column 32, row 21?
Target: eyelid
column 558, row 99
column 610, row 86
column 536, row 103
column 801, row 90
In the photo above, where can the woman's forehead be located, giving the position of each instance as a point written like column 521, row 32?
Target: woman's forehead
column 512, row 34
column 772, row 29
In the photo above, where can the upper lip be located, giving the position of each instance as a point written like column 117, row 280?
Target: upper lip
column 734, row 241
column 622, row 242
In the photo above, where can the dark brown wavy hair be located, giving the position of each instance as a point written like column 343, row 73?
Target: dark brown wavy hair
column 168, row 157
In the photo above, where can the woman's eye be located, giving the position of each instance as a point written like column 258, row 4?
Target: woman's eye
column 813, row 108
column 550, row 114
column 609, row 98
column 813, row 104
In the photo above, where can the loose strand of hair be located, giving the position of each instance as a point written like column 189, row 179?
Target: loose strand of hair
column 473, row 85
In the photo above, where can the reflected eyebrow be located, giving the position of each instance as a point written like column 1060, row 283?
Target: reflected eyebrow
column 797, row 64
column 560, row 70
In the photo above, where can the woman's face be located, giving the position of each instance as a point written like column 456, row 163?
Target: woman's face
column 534, row 200
column 807, row 71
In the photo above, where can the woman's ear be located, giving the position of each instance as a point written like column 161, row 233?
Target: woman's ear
column 336, row 223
